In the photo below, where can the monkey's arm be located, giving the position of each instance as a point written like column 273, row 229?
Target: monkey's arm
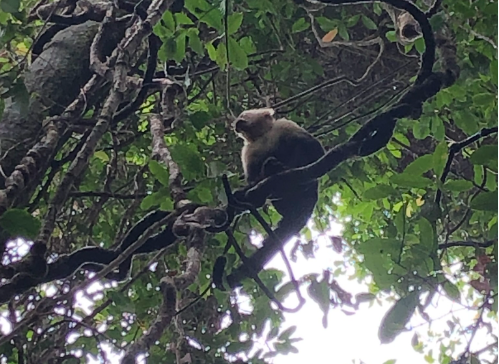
column 253, row 161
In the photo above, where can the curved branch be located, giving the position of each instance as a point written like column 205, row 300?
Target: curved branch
column 456, row 148
column 428, row 58
column 371, row 137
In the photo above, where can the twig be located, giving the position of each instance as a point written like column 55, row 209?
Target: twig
column 254, row 276
column 317, row 124
column 474, row 244
column 334, row 81
column 457, row 147
column 476, row 325
column 96, row 65
column 226, row 30
column 119, row 196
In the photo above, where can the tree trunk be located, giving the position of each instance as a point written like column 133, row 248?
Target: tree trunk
column 53, row 81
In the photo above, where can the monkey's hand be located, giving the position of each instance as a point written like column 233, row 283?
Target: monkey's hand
column 272, row 166
column 241, row 202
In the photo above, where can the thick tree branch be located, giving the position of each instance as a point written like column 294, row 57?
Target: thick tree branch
column 370, row 138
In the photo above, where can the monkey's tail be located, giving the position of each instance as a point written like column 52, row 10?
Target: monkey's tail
column 294, row 219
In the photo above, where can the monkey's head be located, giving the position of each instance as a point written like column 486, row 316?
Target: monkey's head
column 252, row 124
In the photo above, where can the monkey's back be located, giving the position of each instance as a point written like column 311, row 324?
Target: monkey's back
column 287, row 142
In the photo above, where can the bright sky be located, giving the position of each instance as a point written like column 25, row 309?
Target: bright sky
column 354, row 339
column 348, row 338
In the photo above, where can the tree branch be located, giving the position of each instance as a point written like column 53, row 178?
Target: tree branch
column 475, row 244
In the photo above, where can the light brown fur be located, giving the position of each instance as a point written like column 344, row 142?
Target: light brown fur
column 262, row 135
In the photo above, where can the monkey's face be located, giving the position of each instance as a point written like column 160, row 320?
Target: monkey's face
column 252, row 124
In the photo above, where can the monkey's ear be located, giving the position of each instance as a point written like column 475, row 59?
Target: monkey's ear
column 269, row 111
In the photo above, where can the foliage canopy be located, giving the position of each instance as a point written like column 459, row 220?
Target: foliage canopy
column 419, row 216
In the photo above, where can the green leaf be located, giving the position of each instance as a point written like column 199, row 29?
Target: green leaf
column 421, row 129
column 169, row 48
column 394, row 321
column 419, row 166
column 237, row 55
column 168, row 20
column 205, row 12
column 187, row 156
column 379, row 191
column 199, row 119
column 437, row 21
column 400, row 222
column 485, row 202
column 234, row 22
column 343, row 32
column 352, row 21
column 452, row 291
column 183, row 19
column 159, row 172
column 368, row 23
column 221, row 57
column 411, row 181
column 179, row 53
column 458, row 185
column 474, row 360
column 466, row 121
column 19, row 222
column 272, row 333
column 444, row 98
column 285, row 290
column 166, row 204
column 364, row 297
column 326, row 24
column 194, row 41
column 300, row 25
column 438, row 128
column 391, row 36
column 201, row 194
column 161, row 31
column 10, row 6
column 426, row 236
column 391, row 361
column 213, row 18
column 122, row 301
column 420, row 45
column 286, row 334
column 485, row 155
column 319, row 292
column 478, row 174
column 100, row 154
column 377, row 246
column 440, row 156
column 248, row 45
column 212, row 53
column 149, row 201
column 484, row 99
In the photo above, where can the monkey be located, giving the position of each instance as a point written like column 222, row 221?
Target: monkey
column 272, row 146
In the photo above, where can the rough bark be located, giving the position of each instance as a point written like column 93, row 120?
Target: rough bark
column 53, row 80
